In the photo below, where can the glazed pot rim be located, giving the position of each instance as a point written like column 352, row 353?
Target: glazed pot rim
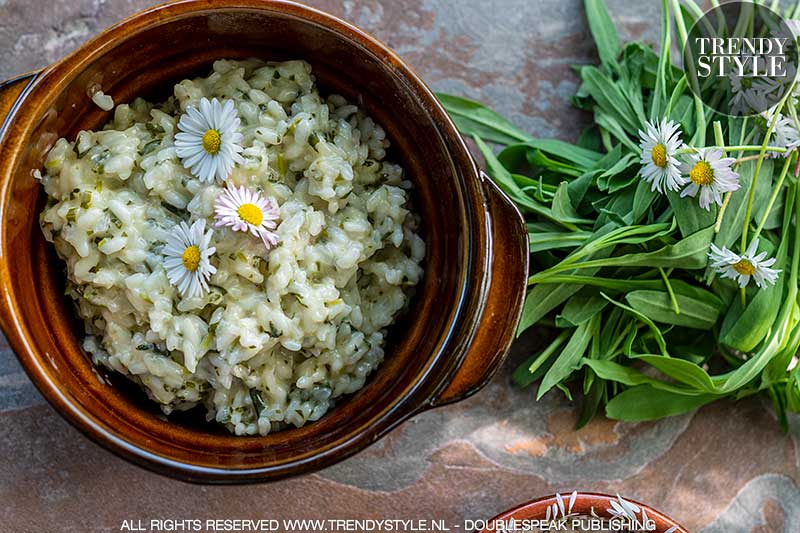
column 404, row 405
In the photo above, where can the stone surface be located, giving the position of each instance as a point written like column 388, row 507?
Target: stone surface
column 726, row 468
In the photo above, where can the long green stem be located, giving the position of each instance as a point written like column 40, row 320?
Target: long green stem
column 680, row 88
column 728, row 195
column 754, row 182
column 718, row 137
column 550, row 350
column 774, row 196
column 660, row 93
column 741, row 160
column 796, row 251
column 679, row 22
column 737, row 148
column 721, row 213
column 671, row 293
column 742, row 133
column 699, row 107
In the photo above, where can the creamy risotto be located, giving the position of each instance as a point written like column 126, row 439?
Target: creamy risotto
column 251, row 267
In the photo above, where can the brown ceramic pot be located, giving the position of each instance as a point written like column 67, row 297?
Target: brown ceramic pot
column 586, row 504
column 452, row 340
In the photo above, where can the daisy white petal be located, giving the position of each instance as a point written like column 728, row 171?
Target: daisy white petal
column 245, row 210
column 757, row 100
column 187, row 258
column 746, row 90
column 710, row 174
column 209, row 142
column 786, row 135
column 741, row 268
column 659, row 144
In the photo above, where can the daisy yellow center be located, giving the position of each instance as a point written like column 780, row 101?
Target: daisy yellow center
column 191, row 258
column 702, row 174
column 659, row 155
column 744, row 267
column 251, row 214
column 212, row 142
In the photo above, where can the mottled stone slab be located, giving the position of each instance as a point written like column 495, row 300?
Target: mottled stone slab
column 726, row 468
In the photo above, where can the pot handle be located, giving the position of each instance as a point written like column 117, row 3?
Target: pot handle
column 509, row 274
column 12, row 92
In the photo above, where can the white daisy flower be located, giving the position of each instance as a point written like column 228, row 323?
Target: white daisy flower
column 794, row 26
column 749, row 94
column 710, row 174
column 786, row 135
column 742, row 267
column 245, row 210
column 765, row 85
column 739, row 86
column 758, row 100
column 659, row 145
column 187, row 258
column 209, row 142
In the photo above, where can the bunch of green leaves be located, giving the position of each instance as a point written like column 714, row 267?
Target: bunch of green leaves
column 638, row 323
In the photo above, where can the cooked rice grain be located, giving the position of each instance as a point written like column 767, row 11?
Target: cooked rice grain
column 282, row 333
